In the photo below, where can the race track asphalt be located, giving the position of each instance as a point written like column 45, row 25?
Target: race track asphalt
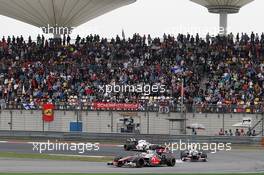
column 221, row 162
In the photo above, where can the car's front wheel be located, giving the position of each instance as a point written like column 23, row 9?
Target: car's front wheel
column 139, row 162
column 120, row 164
column 171, row 162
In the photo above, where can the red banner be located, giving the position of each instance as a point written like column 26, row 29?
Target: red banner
column 115, row 106
column 48, row 112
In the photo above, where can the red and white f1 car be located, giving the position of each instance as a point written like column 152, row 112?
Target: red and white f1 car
column 149, row 159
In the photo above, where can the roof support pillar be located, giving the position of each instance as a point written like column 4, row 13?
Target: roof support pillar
column 223, row 23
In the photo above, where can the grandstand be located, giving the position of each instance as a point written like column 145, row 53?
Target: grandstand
column 222, row 74
column 140, row 101
column 214, row 74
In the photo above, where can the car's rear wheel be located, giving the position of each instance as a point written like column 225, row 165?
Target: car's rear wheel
column 139, row 162
column 118, row 163
column 204, row 155
column 171, row 162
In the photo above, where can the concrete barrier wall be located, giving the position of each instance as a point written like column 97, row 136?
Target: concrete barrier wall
column 214, row 122
column 107, row 122
column 121, row 138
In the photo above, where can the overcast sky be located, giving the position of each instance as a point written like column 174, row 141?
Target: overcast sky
column 155, row 17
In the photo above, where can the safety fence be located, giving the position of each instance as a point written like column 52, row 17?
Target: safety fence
column 121, row 138
column 141, row 122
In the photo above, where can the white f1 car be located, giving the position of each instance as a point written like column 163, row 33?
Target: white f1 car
column 140, row 145
column 193, row 155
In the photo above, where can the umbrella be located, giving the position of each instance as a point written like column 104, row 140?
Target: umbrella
column 196, row 126
column 242, row 125
column 246, row 123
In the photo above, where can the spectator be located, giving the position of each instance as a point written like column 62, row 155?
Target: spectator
column 242, row 133
column 237, row 133
column 230, row 132
column 2, row 104
column 194, row 131
column 254, row 133
column 221, row 132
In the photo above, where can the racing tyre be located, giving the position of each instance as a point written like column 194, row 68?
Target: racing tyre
column 171, row 162
column 139, row 162
column 119, row 163
column 204, row 155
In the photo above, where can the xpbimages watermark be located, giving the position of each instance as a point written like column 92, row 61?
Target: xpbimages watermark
column 49, row 146
column 145, row 89
column 210, row 147
column 57, row 30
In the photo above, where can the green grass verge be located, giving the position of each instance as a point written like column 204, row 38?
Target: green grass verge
column 54, row 157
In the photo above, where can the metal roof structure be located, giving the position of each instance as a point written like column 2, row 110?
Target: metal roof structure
column 223, row 7
column 64, row 13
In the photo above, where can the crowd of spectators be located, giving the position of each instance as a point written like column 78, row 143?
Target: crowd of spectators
column 221, row 70
column 238, row 132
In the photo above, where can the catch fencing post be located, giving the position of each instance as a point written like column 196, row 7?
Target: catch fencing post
column 148, row 122
column 223, row 122
column 112, row 121
column 11, row 120
column 43, row 125
column 262, row 124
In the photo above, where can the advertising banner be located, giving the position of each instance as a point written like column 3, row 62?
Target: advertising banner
column 115, row 106
column 48, row 112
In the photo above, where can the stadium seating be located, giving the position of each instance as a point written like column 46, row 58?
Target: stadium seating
column 225, row 72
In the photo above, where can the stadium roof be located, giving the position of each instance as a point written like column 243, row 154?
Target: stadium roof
column 223, row 6
column 64, row 13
